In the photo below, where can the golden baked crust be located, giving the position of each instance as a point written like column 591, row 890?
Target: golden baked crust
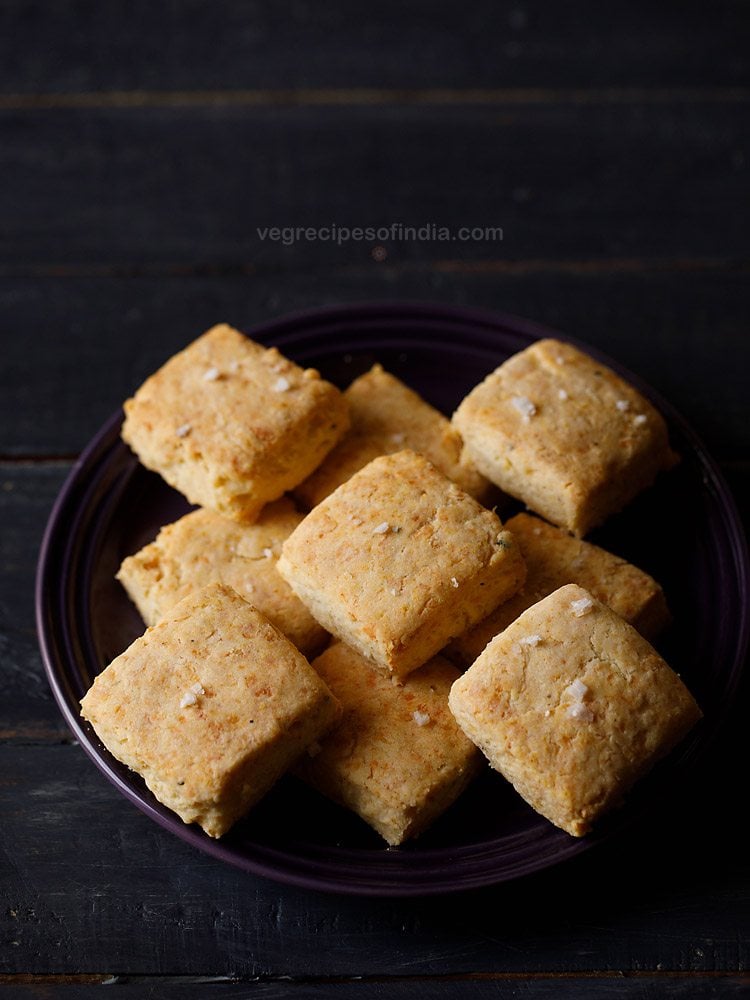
column 397, row 758
column 560, row 431
column 553, row 558
column 572, row 706
column 233, row 425
column 399, row 560
column 203, row 548
column 210, row 707
column 388, row 416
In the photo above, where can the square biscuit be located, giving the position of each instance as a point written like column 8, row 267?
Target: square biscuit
column 388, row 416
column 572, row 706
column 210, row 707
column 564, row 434
column 233, row 425
column 399, row 560
column 554, row 558
column 397, row 758
column 203, row 548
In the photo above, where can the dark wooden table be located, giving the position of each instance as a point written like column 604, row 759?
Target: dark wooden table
column 142, row 147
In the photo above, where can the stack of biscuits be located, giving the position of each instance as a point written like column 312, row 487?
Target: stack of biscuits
column 344, row 604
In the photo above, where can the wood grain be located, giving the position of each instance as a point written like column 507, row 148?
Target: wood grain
column 27, row 710
column 91, row 885
column 93, row 45
column 199, row 186
column 642, row 987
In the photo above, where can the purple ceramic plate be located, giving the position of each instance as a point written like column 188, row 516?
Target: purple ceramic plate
column 685, row 531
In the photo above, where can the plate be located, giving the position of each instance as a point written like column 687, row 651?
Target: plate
column 685, row 531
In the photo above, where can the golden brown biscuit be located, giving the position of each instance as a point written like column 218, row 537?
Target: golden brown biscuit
column 553, row 558
column 387, row 416
column 203, row 548
column 572, row 706
column 210, row 707
column 233, row 425
column 397, row 758
column 399, row 560
column 560, row 431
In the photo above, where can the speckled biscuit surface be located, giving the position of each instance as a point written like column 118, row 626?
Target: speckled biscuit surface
column 399, row 560
column 572, row 706
column 388, row 416
column 553, row 558
column 210, row 706
column 397, row 758
column 203, row 548
column 560, row 431
column 233, row 425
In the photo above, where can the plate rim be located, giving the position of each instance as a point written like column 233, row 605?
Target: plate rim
column 288, row 328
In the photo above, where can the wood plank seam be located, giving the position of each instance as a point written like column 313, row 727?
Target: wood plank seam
column 111, row 979
column 372, row 97
column 604, row 265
